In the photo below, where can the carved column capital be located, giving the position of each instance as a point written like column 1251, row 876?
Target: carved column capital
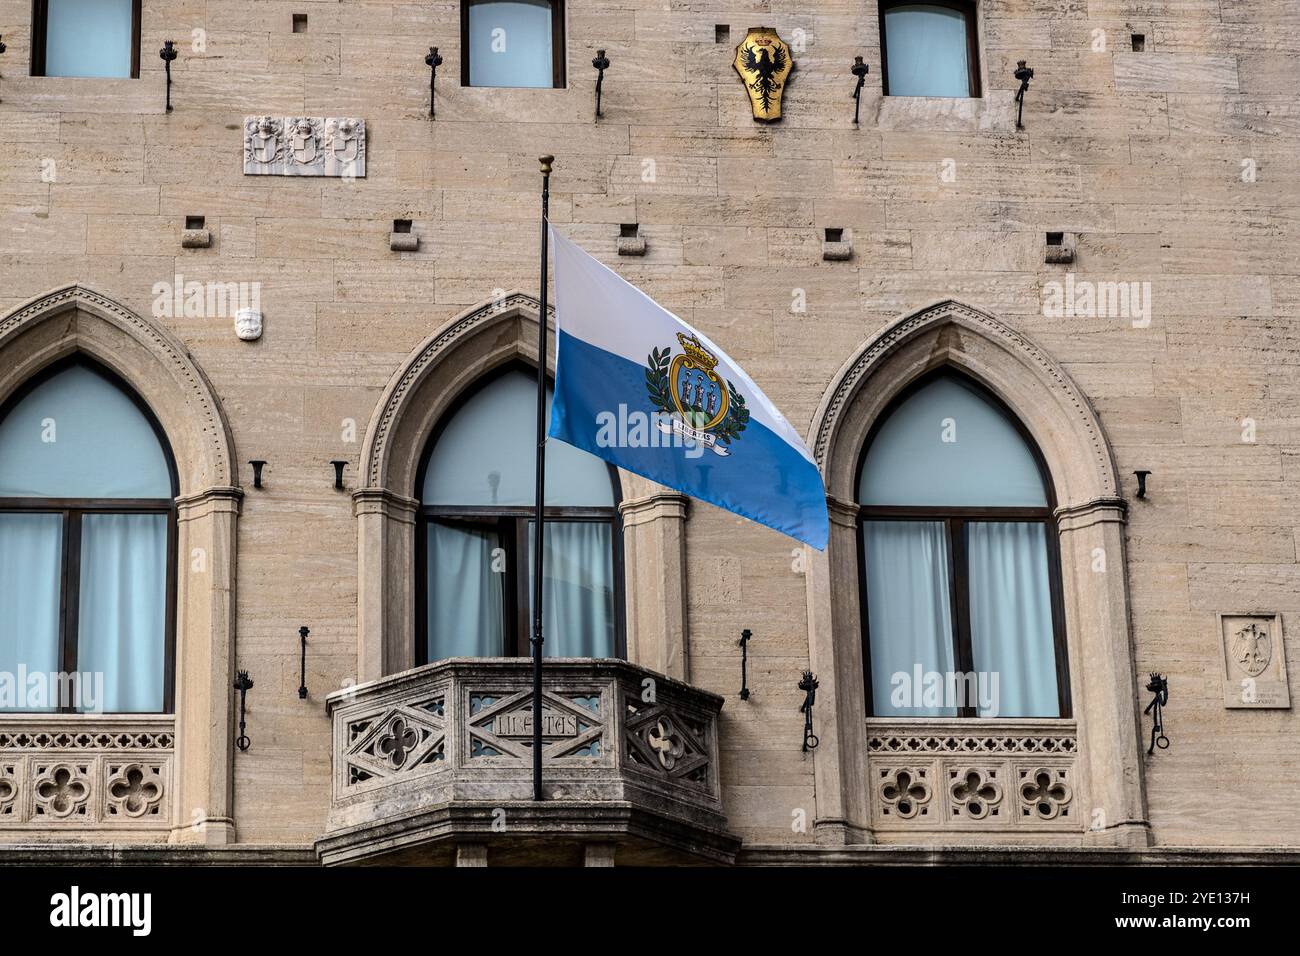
column 381, row 501
column 221, row 499
column 841, row 512
column 653, row 507
column 1094, row 511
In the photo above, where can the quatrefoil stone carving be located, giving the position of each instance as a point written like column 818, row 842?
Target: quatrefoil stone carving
column 905, row 793
column 1044, row 793
column 397, row 743
column 61, row 792
column 975, row 793
column 666, row 746
column 135, row 789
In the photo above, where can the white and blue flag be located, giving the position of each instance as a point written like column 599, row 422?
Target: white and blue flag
column 638, row 387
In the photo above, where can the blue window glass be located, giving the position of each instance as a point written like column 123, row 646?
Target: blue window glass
column 962, row 614
column 928, row 49
column 89, row 37
column 478, row 536
column 86, row 511
column 512, row 42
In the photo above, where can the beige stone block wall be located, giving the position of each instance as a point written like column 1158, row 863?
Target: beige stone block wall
column 1140, row 153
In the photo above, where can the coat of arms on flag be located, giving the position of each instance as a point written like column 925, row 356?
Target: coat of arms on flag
column 702, row 406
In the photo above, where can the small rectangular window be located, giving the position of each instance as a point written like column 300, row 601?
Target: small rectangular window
column 929, row 49
column 512, row 43
column 88, row 38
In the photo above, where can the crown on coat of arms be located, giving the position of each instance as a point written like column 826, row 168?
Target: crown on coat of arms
column 696, row 353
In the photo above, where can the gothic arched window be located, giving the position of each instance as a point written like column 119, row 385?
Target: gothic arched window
column 474, row 541
column 87, row 547
column 962, row 606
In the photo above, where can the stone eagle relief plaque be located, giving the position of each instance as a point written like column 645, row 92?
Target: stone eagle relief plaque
column 305, row 146
column 764, row 62
column 1254, row 661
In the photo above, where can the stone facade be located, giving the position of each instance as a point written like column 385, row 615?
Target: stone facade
column 1167, row 167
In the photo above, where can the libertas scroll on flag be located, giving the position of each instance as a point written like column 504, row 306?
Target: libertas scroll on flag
column 638, row 387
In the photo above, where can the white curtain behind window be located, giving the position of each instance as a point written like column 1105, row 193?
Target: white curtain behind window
column 908, row 611
column 88, row 38
column 578, row 589
column 121, row 619
column 926, row 51
column 465, row 582
column 1011, row 615
column 510, row 43
column 31, row 549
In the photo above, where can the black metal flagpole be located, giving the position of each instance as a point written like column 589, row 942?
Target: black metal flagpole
column 539, row 513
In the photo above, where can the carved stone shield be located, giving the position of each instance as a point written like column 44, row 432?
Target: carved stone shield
column 1252, row 649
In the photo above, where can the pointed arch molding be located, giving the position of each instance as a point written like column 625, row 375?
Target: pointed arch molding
column 451, row 360
column 155, row 363
column 950, row 333
column 198, row 780
column 1090, row 517
column 518, row 310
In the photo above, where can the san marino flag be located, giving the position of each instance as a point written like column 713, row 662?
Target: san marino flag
column 638, row 387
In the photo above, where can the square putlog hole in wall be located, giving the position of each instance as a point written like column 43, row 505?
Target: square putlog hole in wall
column 630, row 241
column 721, row 33
column 1060, row 248
column 196, row 235
column 401, row 239
column 837, row 246
column 1139, row 42
column 300, row 23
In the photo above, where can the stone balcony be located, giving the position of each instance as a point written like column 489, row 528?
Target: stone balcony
column 434, row 765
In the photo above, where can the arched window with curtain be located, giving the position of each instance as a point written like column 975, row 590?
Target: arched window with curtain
column 87, row 544
column 961, row 566
column 475, row 536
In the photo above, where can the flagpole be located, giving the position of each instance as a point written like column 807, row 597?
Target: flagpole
column 539, row 512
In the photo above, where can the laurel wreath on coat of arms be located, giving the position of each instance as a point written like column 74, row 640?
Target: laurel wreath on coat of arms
column 661, row 396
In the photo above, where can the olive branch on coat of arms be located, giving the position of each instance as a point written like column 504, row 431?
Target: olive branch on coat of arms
column 660, row 392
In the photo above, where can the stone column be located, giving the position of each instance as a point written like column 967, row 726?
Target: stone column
column 205, row 654
column 654, row 562
column 385, row 582
column 1103, row 684
column 835, row 656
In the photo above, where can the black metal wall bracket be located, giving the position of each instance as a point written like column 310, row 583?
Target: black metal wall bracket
column 745, row 635
column 860, row 70
column 808, row 684
column 243, row 684
column 1142, row 483
column 1024, row 74
column 338, row 473
column 258, row 464
column 1158, row 685
column 601, row 63
column 433, row 60
column 302, row 679
column 167, row 54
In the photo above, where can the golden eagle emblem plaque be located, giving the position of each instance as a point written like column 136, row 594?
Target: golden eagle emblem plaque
column 764, row 62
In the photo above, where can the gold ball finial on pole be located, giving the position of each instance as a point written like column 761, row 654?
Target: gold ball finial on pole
column 546, row 164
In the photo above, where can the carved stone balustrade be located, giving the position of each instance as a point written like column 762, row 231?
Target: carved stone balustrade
column 85, row 776
column 973, row 776
column 441, row 756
